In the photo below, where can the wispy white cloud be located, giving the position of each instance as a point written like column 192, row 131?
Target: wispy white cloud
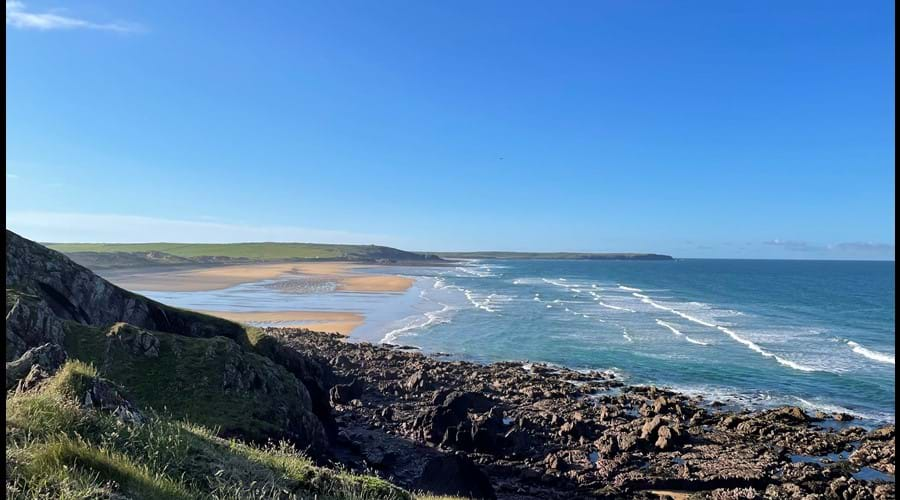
column 795, row 246
column 18, row 16
column 116, row 228
column 849, row 249
column 863, row 247
column 11, row 176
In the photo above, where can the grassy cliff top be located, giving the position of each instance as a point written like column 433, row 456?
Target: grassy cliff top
column 265, row 251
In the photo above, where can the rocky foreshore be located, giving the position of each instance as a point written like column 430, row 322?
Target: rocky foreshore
column 514, row 430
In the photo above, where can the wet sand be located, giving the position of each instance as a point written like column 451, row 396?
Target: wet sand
column 335, row 276
column 217, row 278
column 323, row 321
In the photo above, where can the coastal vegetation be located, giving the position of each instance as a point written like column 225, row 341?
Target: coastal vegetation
column 166, row 404
column 106, row 255
column 112, row 395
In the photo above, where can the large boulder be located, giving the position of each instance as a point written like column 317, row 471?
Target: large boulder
column 455, row 475
column 35, row 364
column 29, row 323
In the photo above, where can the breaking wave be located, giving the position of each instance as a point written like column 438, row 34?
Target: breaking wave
column 873, row 355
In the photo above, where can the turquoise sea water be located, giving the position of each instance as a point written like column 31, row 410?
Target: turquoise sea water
column 818, row 334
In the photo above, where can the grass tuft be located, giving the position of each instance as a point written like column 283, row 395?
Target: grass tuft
column 57, row 449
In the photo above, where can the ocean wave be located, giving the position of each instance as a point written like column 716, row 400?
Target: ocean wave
column 479, row 271
column 610, row 306
column 647, row 300
column 627, row 337
column 487, row 303
column 426, row 320
column 832, row 408
column 873, row 355
column 629, row 289
column 765, row 400
column 678, row 332
column 731, row 333
column 754, row 347
column 670, row 327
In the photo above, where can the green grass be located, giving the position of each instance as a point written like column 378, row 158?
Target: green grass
column 254, row 251
column 185, row 380
column 56, row 449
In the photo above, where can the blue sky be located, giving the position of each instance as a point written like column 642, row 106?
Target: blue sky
column 699, row 129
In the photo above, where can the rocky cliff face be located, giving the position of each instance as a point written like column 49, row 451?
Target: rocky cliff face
column 75, row 293
column 197, row 367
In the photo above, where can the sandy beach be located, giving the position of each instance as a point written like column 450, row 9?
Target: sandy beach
column 217, row 278
column 323, row 321
column 331, row 276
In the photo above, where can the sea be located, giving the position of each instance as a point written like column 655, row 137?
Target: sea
column 745, row 333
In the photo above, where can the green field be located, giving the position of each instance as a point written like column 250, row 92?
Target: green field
column 252, row 251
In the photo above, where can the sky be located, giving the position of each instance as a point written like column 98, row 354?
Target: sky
column 697, row 129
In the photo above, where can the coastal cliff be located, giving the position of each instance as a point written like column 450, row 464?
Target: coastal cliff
column 110, row 394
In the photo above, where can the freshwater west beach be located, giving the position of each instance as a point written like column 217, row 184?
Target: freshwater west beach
column 681, row 324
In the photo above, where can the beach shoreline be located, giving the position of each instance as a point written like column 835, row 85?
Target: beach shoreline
column 207, row 278
column 340, row 322
column 542, row 431
column 290, row 278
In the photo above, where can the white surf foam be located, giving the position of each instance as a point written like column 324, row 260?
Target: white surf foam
column 832, row 408
column 760, row 350
column 478, row 272
column 428, row 319
column 487, row 303
column 610, row 306
column 629, row 289
column 873, row 355
column 678, row 332
column 669, row 326
column 627, row 337
column 731, row 333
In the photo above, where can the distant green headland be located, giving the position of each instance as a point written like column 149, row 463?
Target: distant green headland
column 105, row 255
column 132, row 255
column 553, row 255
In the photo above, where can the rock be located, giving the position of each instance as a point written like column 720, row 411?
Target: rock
column 607, row 447
column 463, row 402
column 792, row 414
column 417, row 381
column 345, row 393
column 556, row 463
column 35, row 364
column 626, row 441
column 454, row 475
column 650, row 427
column 842, row 417
column 730, row 421
column 73, row 292
column 137, row 340
column 29, row 323
column 379, row 457
column 104, row 396
column 664, row 437
column 436, row 421
column 661, row 404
